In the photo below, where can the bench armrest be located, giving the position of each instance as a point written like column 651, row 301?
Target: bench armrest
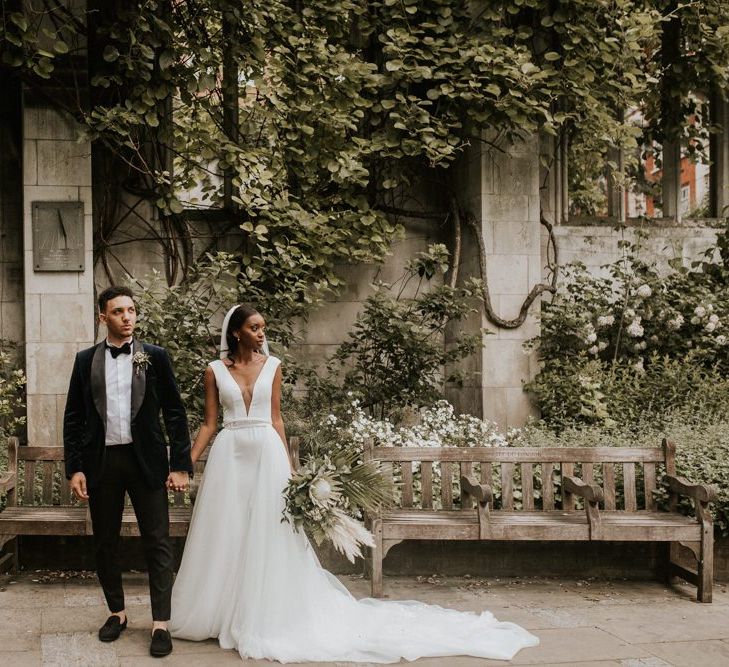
column 482, row 493
column 592, row 493
column 703, row 493
column 8, row 482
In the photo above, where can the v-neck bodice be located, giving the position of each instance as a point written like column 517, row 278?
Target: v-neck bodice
column 231, row 396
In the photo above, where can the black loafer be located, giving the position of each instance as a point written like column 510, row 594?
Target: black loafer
column 161, row 644
column 111, row 630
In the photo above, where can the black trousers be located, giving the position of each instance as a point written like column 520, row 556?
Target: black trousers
column 122, row 474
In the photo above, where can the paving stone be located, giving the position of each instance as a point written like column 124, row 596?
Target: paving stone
column 577, row 644
column 18, row 623
column 678, row 620
column 64, row 649
column 135, row 642
column 20, row 658
column 580, row 623
column 690, row 654
column 25, row 595
column 87, row 619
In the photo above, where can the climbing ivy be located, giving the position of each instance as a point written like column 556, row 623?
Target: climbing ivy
column 344, row 112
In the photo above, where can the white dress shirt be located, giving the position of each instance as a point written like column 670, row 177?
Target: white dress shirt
column 118, row 398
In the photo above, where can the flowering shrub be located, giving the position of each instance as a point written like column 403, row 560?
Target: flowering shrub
column 638, row 312
column 12, row 401
column 634, row 343
column 395, row 353
column 12, row 395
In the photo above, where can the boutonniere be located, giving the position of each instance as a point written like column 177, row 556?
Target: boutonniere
column 140, row 359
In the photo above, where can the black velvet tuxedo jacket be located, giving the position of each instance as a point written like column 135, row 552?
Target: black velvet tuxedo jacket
column 154, row 389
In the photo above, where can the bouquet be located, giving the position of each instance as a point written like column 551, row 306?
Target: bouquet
column 328, row 494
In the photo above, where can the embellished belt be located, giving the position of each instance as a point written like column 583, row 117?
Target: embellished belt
column 246, row 422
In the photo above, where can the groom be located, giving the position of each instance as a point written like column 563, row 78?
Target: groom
column 114, row 445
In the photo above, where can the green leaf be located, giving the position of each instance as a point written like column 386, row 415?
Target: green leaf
column 111, row 53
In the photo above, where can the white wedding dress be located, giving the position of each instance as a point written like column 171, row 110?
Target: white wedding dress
column 253, row 582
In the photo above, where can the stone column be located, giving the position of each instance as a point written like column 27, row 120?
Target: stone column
column 59, row 306
column 502, row 190
column 671, row 180
column 11, row 213
column 719, row 147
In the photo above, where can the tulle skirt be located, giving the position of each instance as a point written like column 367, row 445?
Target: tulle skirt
column 253, row 582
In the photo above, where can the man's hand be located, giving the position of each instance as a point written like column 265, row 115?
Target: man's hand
column 178, row 481
column 78, row 486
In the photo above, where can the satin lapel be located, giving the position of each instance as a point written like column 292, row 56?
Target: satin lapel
column 98, row 381
column 139, row 379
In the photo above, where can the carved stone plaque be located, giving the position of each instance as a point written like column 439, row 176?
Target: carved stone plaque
column 58, row 236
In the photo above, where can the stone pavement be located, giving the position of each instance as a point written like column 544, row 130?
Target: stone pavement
column 49, row 619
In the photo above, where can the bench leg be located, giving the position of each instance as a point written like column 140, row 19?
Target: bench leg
column 706, row 564
column 11, row 556
column 673, row 552
column 378, row 555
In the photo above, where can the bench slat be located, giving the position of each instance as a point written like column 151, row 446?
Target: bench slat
column 649, row 485
column 520, row 454
column 548, row 486
column 446, row 485
column 487, row 473
column 406, row 467
column 466, row 471
column 608, row 485
column 48, row 471
column 27, row 453
column 426, row 475
column 629, row 486
column 588, row 472
column 507, row 485
column 29, row 483
column 568, row 500
column 527, row 486
column 65, row 488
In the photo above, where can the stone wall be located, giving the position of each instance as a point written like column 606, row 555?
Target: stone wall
column 502, row 191
column 59, row 306
column 12, row 326
column 597, row 245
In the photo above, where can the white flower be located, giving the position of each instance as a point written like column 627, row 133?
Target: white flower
column 320, row 490
column 605, row 320
column 676, row 323
column 602, row 345
column 714, row 318
column 700, row 311
column 710, row 326
column 635, row 329
column 721, row 339
column 695, row 320
column 591, row 338
column 629, row 314
column 644, row 291
column 638, row 366
column 710, row 308
column 594, row 349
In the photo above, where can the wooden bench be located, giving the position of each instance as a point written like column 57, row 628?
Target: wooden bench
column 46, row 507
column 510, row 493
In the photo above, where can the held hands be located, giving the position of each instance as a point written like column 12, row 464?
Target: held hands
column 178, row 481
column 78, row 486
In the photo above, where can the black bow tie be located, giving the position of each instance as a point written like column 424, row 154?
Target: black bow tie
column 116, row 351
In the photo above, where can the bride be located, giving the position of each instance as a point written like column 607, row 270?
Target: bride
column 253, row 582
